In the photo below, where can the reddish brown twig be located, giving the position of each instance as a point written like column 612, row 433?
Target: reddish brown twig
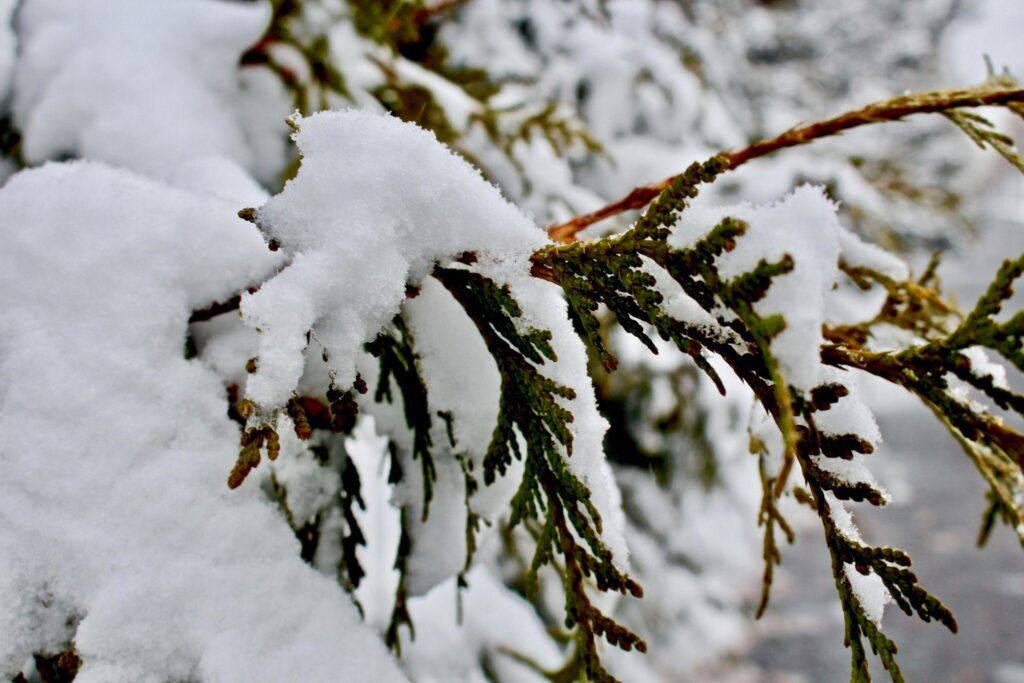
column 991, row 93
column 994, row 92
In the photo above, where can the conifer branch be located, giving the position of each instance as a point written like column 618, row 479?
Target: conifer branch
column 530, row 410
column 215, row 309
column 614, row 271
column 434, row 12
column 619, row 273
column 398, row 359
column 998, row 91
column 927, row 368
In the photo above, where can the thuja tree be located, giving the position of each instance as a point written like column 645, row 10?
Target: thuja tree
column 471, row 461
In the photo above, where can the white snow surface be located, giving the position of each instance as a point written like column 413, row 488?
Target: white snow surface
column 147, row 85
column 462, row 379
column 982, row 365
column 848, row 415
column 495, row 622
column 871, row 593
column 118, row 528
column 869, row 590
column 375, row 205
column 857, row 252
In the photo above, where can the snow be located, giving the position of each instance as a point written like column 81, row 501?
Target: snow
column 983, row 366
column 448, row 343
column 8, row 47
column 146, row 85
column 856, row 252
column 118, row 530
column 308, row 487
column 375, row 205
column 369, row 185
column 114, row 450
column 871, row 593
column 439, row 543
column 848, row 415
column 803, row 225
column 496, row 624
column 380, row 523
column 852, row 471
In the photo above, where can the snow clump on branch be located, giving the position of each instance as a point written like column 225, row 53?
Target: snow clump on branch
column 376, row 205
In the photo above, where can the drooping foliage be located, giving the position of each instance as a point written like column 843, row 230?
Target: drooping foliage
column 405, row 290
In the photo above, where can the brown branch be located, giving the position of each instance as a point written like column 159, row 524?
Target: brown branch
column 898, row 108
column 215, row 309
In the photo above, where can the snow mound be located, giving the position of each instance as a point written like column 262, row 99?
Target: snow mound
column 375, row 205
column 146, row 85
column 118, row 530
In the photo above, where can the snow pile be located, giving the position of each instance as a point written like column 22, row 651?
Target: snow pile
column 461, row 379
column 497, row 624
column 146, row 85
column 118, row 530
column 375, row 205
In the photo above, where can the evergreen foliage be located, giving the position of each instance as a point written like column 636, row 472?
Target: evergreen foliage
column 612, row 272
column 616, row 272
column 623, row 281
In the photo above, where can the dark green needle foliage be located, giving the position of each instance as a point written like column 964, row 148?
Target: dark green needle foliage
column 398, row 361
column 623, row 280
column 530, row 410
column 623, row 273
